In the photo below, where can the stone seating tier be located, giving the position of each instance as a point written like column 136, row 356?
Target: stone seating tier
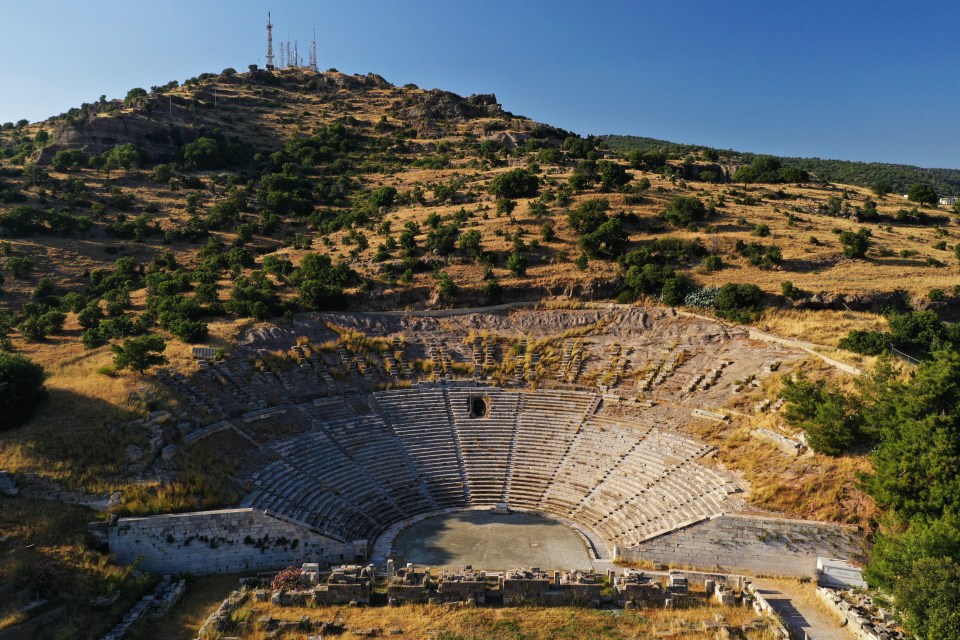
column 420, row 450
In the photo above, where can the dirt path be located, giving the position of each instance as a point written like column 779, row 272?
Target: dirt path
column 801, row 611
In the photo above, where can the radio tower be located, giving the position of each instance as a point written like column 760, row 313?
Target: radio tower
column 296, row 55
column 283, row 56
column 313, row 52
column 269, row 43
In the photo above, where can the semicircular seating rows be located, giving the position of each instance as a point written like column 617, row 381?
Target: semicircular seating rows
column 418, row 450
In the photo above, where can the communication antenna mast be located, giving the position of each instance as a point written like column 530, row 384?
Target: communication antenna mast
column 283, row 55
column 313, row 52
column 296, row 54
column 269, row 43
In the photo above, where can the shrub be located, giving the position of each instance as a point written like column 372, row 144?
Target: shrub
column 790, row 290
column 871, row 343
column 21, row 389
column 589, row 215
column 739, row 302
column 685, row 210
column 517, row 264
column 517, row 183
column 139, row 354
column 855, row 245
column 827, row 415
column 287, row 580
column 713, row 262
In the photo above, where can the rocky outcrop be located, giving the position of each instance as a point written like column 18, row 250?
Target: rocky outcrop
column 693, row 171
column 332, row 81
column 426, row 110
column 158, row 135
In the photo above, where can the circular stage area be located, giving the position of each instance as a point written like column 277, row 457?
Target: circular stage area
column 491, row 541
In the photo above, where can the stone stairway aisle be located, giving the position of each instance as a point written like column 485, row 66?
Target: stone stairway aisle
column 458, row 448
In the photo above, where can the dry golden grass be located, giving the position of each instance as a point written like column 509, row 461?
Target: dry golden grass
column 77, row 435
column 528, row 622
column 821, row 326
column 812, row 486
column 44, row 550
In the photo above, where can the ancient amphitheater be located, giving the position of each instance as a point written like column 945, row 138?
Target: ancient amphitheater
column 346, row 429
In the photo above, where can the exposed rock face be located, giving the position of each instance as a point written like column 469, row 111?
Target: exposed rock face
column 444, row 105
column 332, row 81
column 693, row 171
column 158, row 136
column 508, row 139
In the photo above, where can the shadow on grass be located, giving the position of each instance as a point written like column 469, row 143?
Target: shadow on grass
column 73, row 438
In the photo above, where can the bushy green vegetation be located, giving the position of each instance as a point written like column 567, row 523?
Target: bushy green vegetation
column 21, row 389
column 516, row 183
column 911, row 423
column 917, row 333
column 896, row 178
column 683, row 211
column 139, row 354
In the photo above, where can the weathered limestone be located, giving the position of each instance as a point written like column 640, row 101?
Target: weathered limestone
column 155, row 605
column 638, row 589
column 785, row 444
column 224, row 541
column 863, row 617
column 748, row 544
column 465, row 586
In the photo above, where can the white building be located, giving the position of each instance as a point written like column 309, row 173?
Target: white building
column 949, row 200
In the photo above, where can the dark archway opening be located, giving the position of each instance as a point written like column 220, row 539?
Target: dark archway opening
column 478, row 406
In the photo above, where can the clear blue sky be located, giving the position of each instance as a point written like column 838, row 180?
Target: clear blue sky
column 846, row 79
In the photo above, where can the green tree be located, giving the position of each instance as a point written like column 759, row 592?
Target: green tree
column 123, row 156
column 828, row 416
column 517, row 265
column 613, row 176
column 918, row 423
column 202, row 153
column 881, row 188
column 517, row 183
column 855, row 245
column 139, row 354
column 685, row 210
column 321, row 282
column 922, row 193
column 929, row 599
column 135, row 95
column 446, row 288
column 21, row 389
column 609, row 240
column 739, row 302
column 589, row 215
column 471, row 243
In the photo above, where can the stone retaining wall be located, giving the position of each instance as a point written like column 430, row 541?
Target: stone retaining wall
column 750, row 545
column 224, row 541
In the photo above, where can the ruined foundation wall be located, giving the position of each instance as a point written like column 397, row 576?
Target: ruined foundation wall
column 224, row 541
column 750, row 545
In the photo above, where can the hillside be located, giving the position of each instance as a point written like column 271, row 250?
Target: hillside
column 337, row 164
column 207, row 212
column 899, row 177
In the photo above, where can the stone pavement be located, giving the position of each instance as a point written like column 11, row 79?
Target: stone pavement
column 801, row 611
